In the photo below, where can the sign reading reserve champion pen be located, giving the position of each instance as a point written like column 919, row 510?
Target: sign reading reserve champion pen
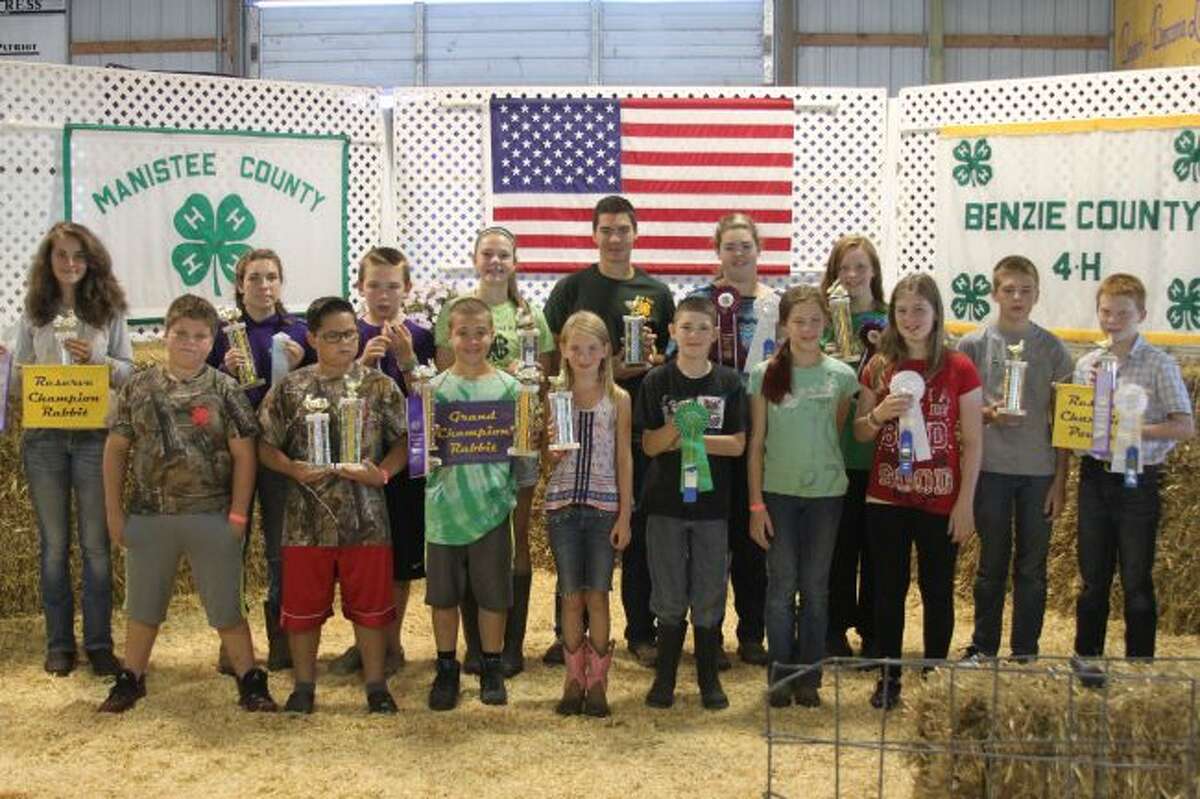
column 177, row 208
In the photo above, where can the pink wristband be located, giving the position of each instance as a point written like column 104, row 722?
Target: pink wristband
column 758, row 506
column 237, row 518
column 387, row 476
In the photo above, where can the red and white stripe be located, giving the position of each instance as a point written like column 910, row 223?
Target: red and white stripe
column 685, row 164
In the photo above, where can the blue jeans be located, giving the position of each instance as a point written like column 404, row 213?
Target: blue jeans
column 1001, row 500
column 798, row 561
column 59, row 463
column 687, row 561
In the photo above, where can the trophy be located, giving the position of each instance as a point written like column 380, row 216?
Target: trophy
column 525, row 423
column 66, row 326
column 279, row 360
column 420, row 423
column 913, row 445
column 727, row 299
column 846, row 345
column 1130, row 401
column 235, row 331
column 562, row 405
column 317, row 421
column 529, row 345
column 1014, row 380
column 634, row 323
column 1102, row 404
column 351, row 410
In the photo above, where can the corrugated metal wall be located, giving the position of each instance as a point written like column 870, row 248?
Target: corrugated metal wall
column 894, row 67
column 133, row 20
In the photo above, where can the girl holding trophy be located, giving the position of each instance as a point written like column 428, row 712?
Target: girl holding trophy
column 74, row 314
column 923, row 406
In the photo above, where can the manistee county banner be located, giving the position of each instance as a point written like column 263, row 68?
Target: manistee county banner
column 1082, row 199
column 176, row 209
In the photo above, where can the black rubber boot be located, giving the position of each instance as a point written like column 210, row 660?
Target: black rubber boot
column 513, row 656
column 470, row 627
column 670, row 644
column 279, row 656
column 708, row 641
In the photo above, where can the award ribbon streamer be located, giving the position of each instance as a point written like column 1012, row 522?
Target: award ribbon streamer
column 1130, row 401
column 912, row 420
column 762, row 345
column 691, row 419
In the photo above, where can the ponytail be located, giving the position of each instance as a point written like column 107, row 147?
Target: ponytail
column 777, row 381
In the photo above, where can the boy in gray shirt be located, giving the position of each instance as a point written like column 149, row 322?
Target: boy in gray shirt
column 1023, row 478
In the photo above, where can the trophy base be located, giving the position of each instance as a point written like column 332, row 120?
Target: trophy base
column 523, row 453
column 564, row 447
column 1009, row 412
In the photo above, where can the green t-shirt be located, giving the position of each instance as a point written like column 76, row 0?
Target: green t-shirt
column 859, row 455
column 803, row 457
column 506, row 346
column 465, row 501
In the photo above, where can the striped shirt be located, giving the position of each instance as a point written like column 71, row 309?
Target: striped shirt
column 466, row 501
column 588, row 475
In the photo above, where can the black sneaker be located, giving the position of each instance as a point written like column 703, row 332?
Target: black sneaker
column 104, row 662
column 973, row 656
column 300, row 703
column 381, row 701
column 60, row 664
column 253, row 694
column 887, row 694
column 491, row 683
column 125, row 693
column 444, row 693
column 1090, row 674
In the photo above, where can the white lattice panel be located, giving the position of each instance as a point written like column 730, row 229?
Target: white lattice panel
column 923, row 110
column 438, row 150
column 36, row 100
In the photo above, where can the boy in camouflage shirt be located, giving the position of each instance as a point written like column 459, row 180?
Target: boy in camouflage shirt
column 335, row 518
column 189, row 432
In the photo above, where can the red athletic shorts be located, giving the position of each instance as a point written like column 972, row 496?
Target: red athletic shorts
column 365, row 574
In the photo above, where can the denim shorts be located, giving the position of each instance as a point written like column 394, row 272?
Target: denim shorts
column 583, row 551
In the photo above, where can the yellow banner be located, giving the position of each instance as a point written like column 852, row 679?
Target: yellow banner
column 1165, row 33
column 64, row 396
column 1073, row 416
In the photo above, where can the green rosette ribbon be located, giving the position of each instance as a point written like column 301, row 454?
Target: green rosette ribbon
column 691, row 419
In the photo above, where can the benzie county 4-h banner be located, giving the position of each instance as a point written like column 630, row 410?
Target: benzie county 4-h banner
column 1083, row 200
column 176, row 209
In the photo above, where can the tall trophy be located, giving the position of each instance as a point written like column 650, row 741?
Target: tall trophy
column 351, row 410
column 1014, row 381
column 235, row 331
column 528, row 336
column 562, row 406
column 525, row 422
column 634, row 324
column 1102, row 404
column 846, row 346
column 728, row 300
column 66, row 326
column 1130, row 401
column 421, row 444
column 316, row 419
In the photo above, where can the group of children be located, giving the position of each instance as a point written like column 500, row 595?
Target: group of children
column 796, row 455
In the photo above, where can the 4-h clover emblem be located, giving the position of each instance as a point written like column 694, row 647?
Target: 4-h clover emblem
column 974, row 169
column 1184, row 311
column 212, row 241
column 970, row 297
column 1188, row 164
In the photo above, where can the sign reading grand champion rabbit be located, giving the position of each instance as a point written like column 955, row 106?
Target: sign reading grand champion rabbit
column 177, row 208
column 1082, row 199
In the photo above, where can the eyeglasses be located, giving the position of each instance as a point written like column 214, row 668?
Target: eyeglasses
column 338, row 336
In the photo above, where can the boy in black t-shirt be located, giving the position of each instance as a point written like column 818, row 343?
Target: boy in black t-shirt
column 692, row 413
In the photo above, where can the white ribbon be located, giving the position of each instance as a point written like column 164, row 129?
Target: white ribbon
column 766, row 315
column 912, row 420
column 279, row 360
column 1130, row 401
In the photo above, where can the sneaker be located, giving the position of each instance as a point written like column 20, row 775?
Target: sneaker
column 807, row 695
column 443, row 695
column 491, row 684
column 554, row 654
column 644, row 652
column 381, row 701
column 253, row 694
column 752, row 652
column 1090, row 674
column 300, row 703
column 347, row 663
column 125, row 693
column 887, row 694
column 104, row 662
column 838, row 646
column 972, row 656
column 60, row 664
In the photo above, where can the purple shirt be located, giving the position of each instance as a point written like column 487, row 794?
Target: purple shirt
column 423, row 348
column 260, row 334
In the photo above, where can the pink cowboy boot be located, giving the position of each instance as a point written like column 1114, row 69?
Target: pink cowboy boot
column 571, row 703
column 596, row 702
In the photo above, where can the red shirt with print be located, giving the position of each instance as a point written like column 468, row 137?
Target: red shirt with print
column 933, row 486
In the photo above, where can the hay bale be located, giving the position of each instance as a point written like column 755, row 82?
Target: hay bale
column 1132, row 742
column 1176, row 565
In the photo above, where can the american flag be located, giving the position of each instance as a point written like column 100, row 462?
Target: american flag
column 683, row 163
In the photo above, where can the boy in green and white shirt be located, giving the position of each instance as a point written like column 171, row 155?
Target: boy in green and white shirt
column 467, row 511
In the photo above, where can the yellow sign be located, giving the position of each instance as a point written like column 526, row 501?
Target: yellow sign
column 1073, row 416
column 64, row 396
column 1165, row 33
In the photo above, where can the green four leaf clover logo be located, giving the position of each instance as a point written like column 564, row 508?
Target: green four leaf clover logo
column 1188, row 164
column 213, row 242
column 973, row 169
column 970, row 297
column 1184, row 311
